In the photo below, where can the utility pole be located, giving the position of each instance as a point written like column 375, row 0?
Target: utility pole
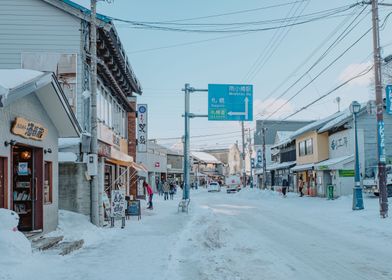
column 250, row 157
column 383, row 197
column 188, row 115
column 243, row 155
column 94, row 215
column 186, row 144
column 264, row 159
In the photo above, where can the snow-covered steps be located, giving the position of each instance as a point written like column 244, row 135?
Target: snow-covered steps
column 45, row 243
column 68, row 247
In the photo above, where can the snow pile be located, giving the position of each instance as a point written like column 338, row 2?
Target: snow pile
column 14, row 245
column 74, row 226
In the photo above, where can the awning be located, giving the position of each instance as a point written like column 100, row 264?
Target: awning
column 334, row 163
column 302, row 167
column 120, row 158
column 139, row 167
column 282, row 165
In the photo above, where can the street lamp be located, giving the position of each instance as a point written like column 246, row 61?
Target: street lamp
column 355, row 107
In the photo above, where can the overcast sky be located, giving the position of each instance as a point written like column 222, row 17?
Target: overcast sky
column 265, row 59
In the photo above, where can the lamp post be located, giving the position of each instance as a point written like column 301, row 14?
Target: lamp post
column 355, row 107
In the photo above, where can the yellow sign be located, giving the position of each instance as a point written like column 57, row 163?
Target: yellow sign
column 29, row 129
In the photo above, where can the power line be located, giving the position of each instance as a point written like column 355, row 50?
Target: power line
column 320, row 73
column 232, row 13
column 342, row 35
column 320, row 15
column 304, row 62
column 331, row 91
column 329, row 65
column 275, row 45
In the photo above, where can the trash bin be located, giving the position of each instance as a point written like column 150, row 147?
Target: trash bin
column 330, row 192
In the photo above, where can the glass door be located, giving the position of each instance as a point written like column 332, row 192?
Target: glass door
column 3, row 182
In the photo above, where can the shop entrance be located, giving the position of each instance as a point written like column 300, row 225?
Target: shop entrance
column 3, row 182
column 27, row 178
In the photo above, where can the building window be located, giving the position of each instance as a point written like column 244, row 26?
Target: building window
column 306, row 147
column 48, row 185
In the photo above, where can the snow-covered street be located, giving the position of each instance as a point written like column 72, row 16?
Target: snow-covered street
column 250, row 235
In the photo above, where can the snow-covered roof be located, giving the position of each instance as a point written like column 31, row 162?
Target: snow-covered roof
column 303, row 167
column 18, row 83
column 205, row 157
column 315, row 125
column 334, row 163
column 341, row 119
column 14, row 78
column 282, row 135
column 282, row 165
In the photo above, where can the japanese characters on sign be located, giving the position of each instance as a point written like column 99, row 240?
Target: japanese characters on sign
column 29, row 129
column 142, row 128
column 118, row 204
column 230, row 102
column 388, row 95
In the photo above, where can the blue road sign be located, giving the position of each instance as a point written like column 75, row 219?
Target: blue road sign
column 388, row 96
column 230, row 102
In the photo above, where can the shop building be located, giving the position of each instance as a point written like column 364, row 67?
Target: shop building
column 34, row 114
column 338, row 170
column 284, row 158
column 155, row 161
column 271, row 129
column 175, row 166
column 34, row 42
column 311, row 148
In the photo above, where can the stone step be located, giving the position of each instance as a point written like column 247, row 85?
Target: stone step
column 45, row 243
column 68, row 247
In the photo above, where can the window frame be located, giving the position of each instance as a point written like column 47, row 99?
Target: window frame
column 48, row 164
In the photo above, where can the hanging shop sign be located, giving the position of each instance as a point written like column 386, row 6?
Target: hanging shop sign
column 388, row 95
column 142, row 128
column 29, row 129
column 346, row 173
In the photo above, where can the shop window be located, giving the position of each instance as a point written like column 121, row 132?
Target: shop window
column 48, row 185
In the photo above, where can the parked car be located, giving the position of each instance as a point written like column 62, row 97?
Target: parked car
column 213, row 187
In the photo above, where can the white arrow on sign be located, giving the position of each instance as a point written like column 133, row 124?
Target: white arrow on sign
column 242, row 113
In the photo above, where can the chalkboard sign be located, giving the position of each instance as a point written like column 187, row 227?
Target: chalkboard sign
column 133, row 208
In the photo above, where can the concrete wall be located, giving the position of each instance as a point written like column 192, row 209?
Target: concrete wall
column 74, row 189
column 30, row 108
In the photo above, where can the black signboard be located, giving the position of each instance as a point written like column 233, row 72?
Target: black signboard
column 134, row 209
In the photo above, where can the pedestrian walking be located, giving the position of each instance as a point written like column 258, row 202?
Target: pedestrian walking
column 160, row 188
column 166, row 189
column 285, row 185
column 300, row 186
column 172, row 191
column 150, row 194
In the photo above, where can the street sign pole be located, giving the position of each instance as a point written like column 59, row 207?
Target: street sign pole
column 187, row 116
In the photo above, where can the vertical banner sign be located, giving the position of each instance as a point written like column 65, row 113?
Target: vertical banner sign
column 142, row 128
column 388, row 95
column 381, row 141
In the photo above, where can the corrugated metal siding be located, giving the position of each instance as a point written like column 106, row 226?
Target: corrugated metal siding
column 35, row 26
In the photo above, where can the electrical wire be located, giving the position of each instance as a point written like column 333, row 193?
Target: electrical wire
column 281, row 35
column 337, row 40
column 320, row 15
column 306, row 60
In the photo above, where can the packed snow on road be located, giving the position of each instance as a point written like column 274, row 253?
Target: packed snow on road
column 252, row 234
